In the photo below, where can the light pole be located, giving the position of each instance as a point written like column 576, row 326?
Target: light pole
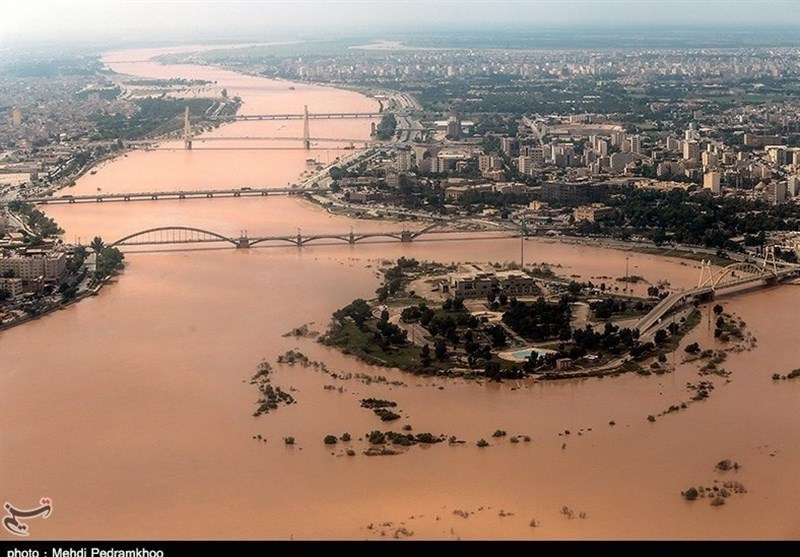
column 626, row 275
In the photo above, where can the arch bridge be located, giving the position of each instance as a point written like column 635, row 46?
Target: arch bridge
column 741, row 274
column 191, row 235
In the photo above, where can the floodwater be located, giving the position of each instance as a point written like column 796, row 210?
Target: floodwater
column 132, row 410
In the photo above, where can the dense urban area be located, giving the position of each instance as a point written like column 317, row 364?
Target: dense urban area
column 694, row 149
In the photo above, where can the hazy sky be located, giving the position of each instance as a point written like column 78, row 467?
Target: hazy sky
column 264, row 19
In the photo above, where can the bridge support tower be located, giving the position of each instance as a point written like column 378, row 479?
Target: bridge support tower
column 187, row 131
column 406, row 236
column 306, row 132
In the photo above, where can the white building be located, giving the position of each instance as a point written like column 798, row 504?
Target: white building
column 711, row 181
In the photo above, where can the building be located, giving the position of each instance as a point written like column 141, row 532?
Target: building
column 691, row 150
column 536, row 154
column 711, row 181
column 618, row 161
column 489, row 162
column 13, row 286
column 454, row 193
column 777, row 154
column 454, row 124
column 525, row 165
column 673, row 143
column 48, row 267
column 776, row 192
column 366, row 196
column 793, row 185
column 709, row 159
column 403, row 160
column 480, row 283
column 507, row 145
column 16, row 117
column 592, row 213
column 751, row 140
column 573, row 193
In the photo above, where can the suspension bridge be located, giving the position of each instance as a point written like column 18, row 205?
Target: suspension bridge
column 189, row 140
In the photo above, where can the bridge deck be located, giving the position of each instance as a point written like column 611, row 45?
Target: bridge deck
column 184, row 194
column 677, row 298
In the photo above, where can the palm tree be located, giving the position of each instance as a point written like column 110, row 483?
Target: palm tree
column 97, row 245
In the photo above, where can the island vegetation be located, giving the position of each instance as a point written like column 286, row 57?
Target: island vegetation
column 471, row 338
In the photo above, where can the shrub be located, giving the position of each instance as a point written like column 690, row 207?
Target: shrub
column 427, row 438
column 651, row 418
column 288, row 440
column 376, row 438
column 690, row 494
column 330, row 439
column 482, row 443
column 386, row 415
column 345, row 437
column 692, row 348
column 499, row 433
column 514, row 439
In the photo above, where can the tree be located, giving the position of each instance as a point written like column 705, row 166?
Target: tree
column 358, row 310
column 425, row 356
column 440, row 349
column 718, row 309
column 336, row 173
column 97, row 245
column 661, row 336
column 498, row 335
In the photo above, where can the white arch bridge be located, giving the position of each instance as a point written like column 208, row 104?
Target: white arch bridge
column 739, row 275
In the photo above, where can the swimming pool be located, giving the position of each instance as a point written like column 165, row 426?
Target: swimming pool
column 523, row 354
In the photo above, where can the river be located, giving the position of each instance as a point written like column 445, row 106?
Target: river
column 132, row 410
